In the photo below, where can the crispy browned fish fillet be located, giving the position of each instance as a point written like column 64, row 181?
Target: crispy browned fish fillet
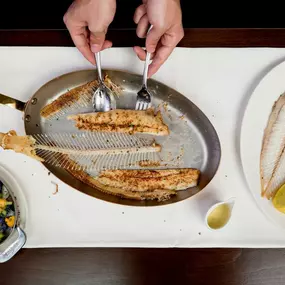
column 68, row 98
column 126, row 121
column 150, row 180
column 19, row 144
column 160, row 195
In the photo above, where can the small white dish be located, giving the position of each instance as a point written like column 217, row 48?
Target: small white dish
column 219, row 214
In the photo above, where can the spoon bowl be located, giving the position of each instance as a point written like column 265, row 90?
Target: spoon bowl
column 103, row 99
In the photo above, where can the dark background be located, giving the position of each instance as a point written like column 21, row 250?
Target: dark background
column 196, row 14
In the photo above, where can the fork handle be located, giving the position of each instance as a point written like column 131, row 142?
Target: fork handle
column 145, row 71
column 146, row 64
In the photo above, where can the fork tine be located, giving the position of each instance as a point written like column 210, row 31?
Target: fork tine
column 138, row 105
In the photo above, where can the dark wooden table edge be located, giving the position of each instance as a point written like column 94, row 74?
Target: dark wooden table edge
column 194, row 37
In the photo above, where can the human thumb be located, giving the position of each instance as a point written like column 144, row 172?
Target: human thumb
column 96, row 41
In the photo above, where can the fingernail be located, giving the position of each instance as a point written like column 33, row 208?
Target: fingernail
column 95, row 48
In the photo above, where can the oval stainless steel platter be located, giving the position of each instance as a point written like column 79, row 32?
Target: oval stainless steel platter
column 191, row 131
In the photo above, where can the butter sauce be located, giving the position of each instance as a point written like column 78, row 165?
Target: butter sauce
column 219, row 215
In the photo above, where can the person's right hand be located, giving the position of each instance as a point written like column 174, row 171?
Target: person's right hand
column 87, row 22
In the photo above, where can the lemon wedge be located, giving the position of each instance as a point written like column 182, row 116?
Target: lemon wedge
column 279, row 199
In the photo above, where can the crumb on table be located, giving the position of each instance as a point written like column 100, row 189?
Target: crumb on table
column 56, row 187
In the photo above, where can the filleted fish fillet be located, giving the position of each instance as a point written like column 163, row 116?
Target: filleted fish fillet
column 272, row 153
column 160, row 195
column 150, row 180
column 126, row 121
column 158, row 185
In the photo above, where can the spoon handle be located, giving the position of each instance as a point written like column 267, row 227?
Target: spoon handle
column 98, row 63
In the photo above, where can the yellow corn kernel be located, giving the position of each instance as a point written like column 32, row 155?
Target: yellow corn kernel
column 10, row 221
column 4, row 203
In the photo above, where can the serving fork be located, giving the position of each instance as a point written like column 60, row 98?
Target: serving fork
column 144, row 97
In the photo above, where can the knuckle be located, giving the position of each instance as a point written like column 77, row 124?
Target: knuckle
column 65, row 18
column 140, row 9
column 138, row 31
column 151, row 42
column 98, row 30
column 97, row 35
column 158, row 59
column 181, row 34
column 159, row 27
column 158, row 24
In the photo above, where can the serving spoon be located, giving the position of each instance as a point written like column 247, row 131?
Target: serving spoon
column 103, row 99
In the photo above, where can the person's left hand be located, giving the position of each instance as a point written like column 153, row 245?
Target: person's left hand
column 167, row 31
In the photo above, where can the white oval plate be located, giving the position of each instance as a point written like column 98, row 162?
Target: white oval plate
column 254, row 122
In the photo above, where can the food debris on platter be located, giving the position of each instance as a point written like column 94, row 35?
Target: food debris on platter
column 7, row 213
